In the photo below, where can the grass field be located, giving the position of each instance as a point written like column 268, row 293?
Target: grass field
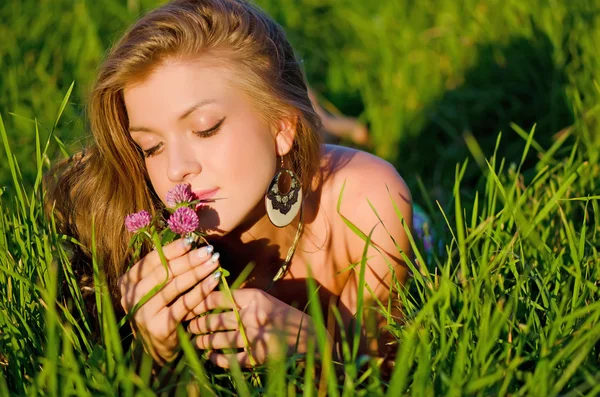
column 489, row 110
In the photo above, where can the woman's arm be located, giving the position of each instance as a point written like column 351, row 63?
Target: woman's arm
column 377, row 184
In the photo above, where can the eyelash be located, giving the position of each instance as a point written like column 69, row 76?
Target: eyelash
column 211, row 131
column 202, row 134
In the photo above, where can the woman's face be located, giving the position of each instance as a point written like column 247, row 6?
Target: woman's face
column 195, row 126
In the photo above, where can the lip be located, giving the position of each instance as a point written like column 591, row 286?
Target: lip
column 204, row 195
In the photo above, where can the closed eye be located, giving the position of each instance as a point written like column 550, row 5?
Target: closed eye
column 211, row 131
column 152, row 151
column 203, row 134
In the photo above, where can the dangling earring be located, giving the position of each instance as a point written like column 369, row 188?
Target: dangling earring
column 283, row 208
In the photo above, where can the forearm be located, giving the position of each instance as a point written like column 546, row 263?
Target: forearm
column 373, row 339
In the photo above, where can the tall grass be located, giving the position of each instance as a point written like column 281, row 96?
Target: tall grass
column 507, row 304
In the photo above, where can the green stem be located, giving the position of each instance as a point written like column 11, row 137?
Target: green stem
column 240, row 325
column 239, row 320
column 153, row 291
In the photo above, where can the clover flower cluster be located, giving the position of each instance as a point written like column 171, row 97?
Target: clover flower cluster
column 182, row 221
column 137, row 221
column 180, row 194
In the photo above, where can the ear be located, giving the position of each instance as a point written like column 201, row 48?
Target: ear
column 285, row 134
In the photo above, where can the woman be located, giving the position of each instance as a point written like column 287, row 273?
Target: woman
column 209, row 93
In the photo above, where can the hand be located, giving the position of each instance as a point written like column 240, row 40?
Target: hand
column 273, row 327
column 157, row 319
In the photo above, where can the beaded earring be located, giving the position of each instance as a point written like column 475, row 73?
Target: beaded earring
column 282, row 208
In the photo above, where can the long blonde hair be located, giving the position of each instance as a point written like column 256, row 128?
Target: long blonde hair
column 108, row 180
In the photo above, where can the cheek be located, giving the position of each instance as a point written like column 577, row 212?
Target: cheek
column 250, row 160
column 156, row 173
column 244, row 168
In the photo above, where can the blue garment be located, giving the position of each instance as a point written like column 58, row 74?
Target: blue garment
column 422, row 229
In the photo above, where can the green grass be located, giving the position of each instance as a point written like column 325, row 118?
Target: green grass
column 509, row 305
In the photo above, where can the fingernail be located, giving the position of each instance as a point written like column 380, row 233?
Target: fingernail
column 190, row 239
column 215, row 257
column 217, row 274
column 205, row 251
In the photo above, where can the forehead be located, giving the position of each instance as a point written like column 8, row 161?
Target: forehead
column 175, row 83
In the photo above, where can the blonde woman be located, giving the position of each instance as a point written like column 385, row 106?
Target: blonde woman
column 209, row 93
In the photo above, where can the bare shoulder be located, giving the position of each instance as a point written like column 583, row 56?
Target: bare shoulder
column 362, row 176
column 375, row 196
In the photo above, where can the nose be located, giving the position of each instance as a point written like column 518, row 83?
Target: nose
column 183, row 163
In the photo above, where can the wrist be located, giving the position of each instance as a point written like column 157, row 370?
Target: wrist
column 314, row 331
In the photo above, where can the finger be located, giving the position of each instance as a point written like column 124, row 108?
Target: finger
column 168, row 321
column 182, row 284
column 220, row 300
column 213, row 322
column 171, row 290
column 216, row 299
column 181, row 265
column 171, row 251
column 197, row 260
column 197, row 263
column 220, row 340
column 224, row 360
column 184, row 305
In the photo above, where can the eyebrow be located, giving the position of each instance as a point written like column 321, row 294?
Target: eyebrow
column 183, row 115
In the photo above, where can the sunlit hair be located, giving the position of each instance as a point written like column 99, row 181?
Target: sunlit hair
column 108, row 180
